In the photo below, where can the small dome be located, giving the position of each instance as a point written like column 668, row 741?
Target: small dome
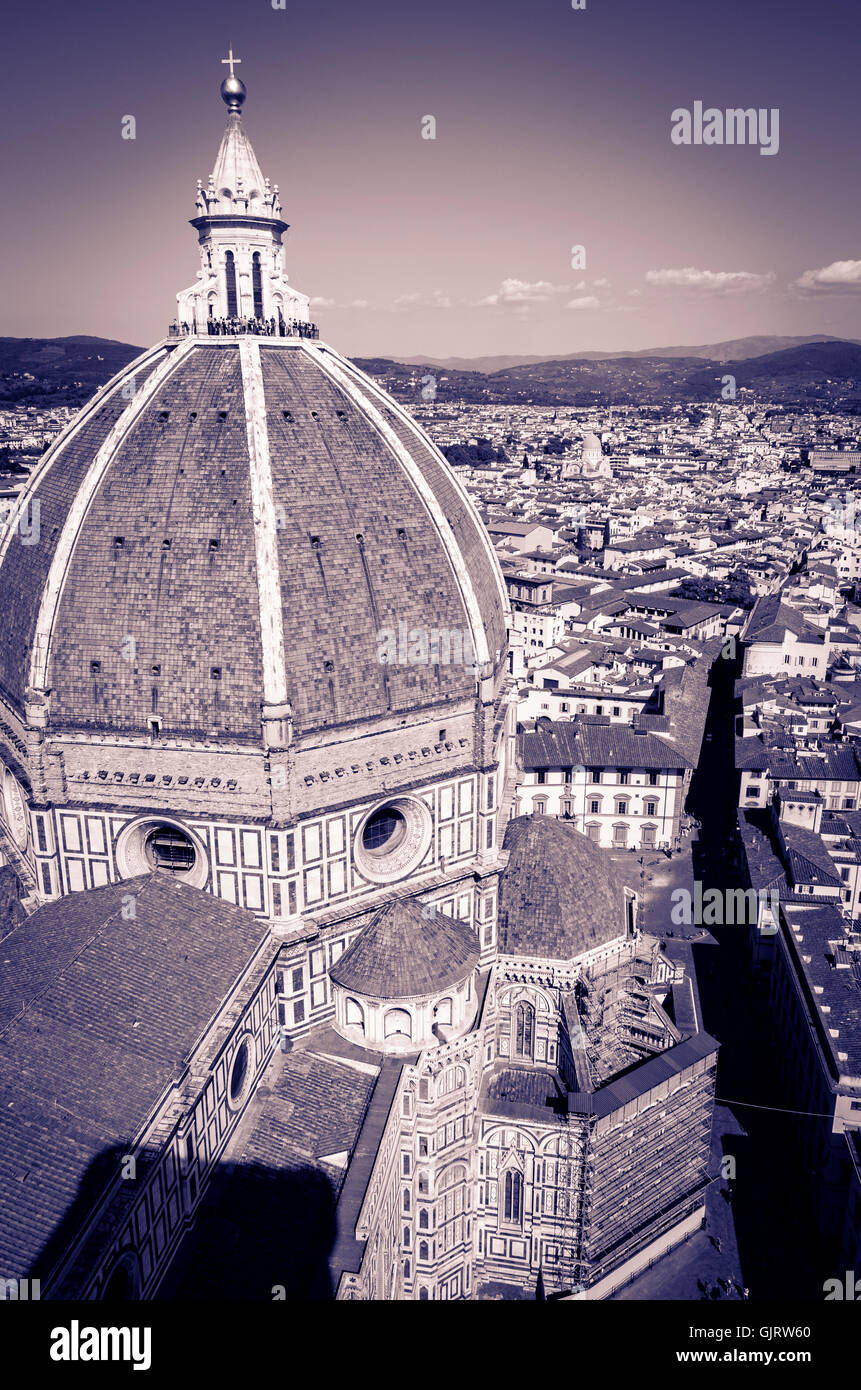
column 406, row 952
column 561, row 895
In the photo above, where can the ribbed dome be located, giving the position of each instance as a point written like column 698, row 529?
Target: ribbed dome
column 561, row 895
column 404, row 954
column 232, row 522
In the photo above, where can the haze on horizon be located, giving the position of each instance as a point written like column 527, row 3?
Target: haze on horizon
column 552, row 131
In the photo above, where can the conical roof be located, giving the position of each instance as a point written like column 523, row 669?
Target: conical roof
column 404, row 954
column 236, row 170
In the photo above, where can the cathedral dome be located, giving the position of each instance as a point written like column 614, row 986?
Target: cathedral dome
column 235, row 522
column 407, row 951
column 255, row 628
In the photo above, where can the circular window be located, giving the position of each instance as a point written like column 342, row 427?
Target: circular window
column 393, row 840
column 239, row 1072
column 383, row 831
column 168, row 848
column 151, row 844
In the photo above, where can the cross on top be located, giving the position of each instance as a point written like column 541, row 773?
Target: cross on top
column 231, row 60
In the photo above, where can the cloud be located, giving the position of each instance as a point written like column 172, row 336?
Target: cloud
column 601, row 284
column 319, row 302
column 587, row 301
column 435, row 300
column 840, row 277
column 513, row 291
column 711, row 281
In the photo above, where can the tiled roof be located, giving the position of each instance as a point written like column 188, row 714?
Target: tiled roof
column 406, row 952
column 561, row 895
column 770, row 620
column 840, row 990
column 166, row 554
column 99, row 1009
column 828, row 765
column 591, row 742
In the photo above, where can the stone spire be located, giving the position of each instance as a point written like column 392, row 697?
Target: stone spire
column 240, row 227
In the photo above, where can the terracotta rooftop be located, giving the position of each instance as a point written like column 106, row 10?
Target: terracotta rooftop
column 403, row 953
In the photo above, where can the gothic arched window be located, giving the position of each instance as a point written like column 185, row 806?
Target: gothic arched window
column 257, row 285
column 524, row 1016
column 513, row 1209
column 230, row 282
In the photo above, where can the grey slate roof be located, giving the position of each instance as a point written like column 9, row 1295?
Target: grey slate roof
column 98, row 1012
column 770, row 620
column 595, row 742
column 404, row 954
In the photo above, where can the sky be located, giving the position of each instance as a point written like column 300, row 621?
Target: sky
column 553, row 130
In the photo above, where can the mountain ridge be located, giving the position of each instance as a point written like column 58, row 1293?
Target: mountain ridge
column 813, row 371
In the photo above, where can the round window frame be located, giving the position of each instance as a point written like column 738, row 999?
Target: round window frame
column 131, row 853
column 398, row 835
column 410, row 851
